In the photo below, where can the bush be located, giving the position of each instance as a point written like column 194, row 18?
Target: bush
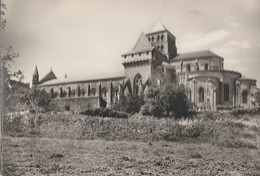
column 166, row 101
column 104, row 113
column 243, row 111
column 129, row 105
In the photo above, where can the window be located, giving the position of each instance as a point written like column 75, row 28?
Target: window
column 162, row 37
column 201, row 94
column 147, row 53
column 132, row 55
column 158, row 38
column 226, row 92
column 244, row 97
column 188, row 67
column 125, row 56
column 138, row 84
column 152, row 39
column 149, row 39
column 139, row 54
column 206, row 66
column 162, row 48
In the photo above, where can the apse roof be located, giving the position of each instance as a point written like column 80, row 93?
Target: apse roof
column 196, row 55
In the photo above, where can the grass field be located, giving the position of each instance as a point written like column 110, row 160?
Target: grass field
column 46, row 156
column 58, row 143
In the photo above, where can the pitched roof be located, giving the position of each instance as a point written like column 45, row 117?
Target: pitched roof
column 158, row 27
column 48, row 77
column 195, row 55
column 141, row 45
column 84, row 78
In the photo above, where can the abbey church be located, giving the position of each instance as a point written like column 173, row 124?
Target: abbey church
column 154, row 60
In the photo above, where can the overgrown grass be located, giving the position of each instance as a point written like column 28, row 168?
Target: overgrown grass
column 219, row 128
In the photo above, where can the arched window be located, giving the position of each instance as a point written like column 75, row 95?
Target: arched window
column 226, row 92
column 93, row 92
column 152, row 39
column 149, row 39
column 201, row 94
column 244, row 97
column 188, row 67
column 206, row 66
column 162, row 48
column 162, row 37
column 138, row 81
column 158, row 38
column 104, row 93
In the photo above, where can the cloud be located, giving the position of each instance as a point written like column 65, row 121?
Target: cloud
column 241, row 44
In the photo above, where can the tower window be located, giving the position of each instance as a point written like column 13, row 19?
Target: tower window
column 158, row 38
column 162, row 37
column 162, row 48
column 226, row 92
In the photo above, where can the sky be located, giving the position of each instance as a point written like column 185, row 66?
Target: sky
column 88, row 37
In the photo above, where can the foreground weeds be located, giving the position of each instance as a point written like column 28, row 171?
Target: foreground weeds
column 218, row 128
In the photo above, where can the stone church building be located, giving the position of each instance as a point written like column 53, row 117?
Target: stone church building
column 154, row 60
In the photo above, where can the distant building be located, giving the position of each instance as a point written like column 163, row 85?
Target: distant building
column 154, row 60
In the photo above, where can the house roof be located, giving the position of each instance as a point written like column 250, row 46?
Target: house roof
column 141, row 45
column 81, row 79
column 195, row 55
column 48, row 76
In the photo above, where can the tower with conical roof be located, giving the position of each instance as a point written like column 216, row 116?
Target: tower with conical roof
column 163, row 40
column 35, row 77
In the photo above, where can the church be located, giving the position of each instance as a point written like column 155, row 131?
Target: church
column 154, row 60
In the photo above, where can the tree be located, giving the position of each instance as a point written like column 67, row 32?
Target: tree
column 168, row 100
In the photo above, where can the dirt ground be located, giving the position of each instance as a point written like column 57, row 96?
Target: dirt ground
column 32, row 156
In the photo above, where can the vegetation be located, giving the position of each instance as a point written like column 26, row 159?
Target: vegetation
column 169, row 100
column 105, row 113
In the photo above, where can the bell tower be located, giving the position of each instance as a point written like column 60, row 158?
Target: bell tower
column 163, row 40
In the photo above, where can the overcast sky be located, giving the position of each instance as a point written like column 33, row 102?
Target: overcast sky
column 86, row 37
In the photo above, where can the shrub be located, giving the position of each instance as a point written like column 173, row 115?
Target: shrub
column 130, row 105
column 104, row 113
column 168, row 100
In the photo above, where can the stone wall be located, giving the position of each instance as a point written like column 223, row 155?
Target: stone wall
column 75, row 104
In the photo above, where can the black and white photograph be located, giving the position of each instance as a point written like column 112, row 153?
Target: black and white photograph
column 130, row 87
